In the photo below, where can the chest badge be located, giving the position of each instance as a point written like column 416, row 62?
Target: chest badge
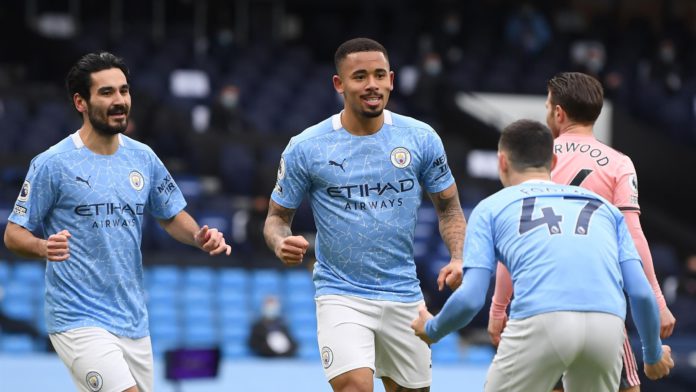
column 400, row 157
column 136, row 180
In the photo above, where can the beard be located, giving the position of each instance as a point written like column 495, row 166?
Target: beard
column 100, row 122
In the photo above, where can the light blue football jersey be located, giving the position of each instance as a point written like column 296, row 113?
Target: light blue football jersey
column 562, row 244
column 364, row 192
column 101, row 200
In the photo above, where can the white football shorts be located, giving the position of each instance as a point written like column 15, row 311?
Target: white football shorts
column 358, row 333
column 102, row 362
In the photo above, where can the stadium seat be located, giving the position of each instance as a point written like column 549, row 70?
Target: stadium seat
column 199, row 277
column 235, row 349
column 29, row 272
column 5, row 271
column 19, row 308
column 166, row 275
column 17, row 344
column 201, row 335
column 233, row 277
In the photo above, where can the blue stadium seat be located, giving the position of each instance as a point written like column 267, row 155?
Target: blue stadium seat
column 20, row 308
column 235, row 349
column 234, row 333
column 167, row 275
column 201, row 335
column 17, row 344
column 265, row 282
column 299, row 280
column 199, row 277
column 29, row 272
column 5, row 271
column 233, row 277
column 232, row 298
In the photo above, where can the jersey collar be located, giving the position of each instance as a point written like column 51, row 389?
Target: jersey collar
column 77, row 140
column 336, row 120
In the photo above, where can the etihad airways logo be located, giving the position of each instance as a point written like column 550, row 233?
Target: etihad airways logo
column 99, row 209
column 366, row 190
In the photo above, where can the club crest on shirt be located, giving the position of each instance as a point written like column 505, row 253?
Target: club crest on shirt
column 326, row 357
column 633, row 181
column 281, row 169
column 400, row 157
column 136, row 180
column 94, row 381
column 24, row 192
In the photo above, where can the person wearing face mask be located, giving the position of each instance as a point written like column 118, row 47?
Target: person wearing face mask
column 270, row 335
column 226, row 116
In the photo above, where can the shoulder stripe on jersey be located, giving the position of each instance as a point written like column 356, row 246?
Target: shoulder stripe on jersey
column 629, row 209
column 580, row 177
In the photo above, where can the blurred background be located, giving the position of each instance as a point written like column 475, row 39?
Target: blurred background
column 219, row 87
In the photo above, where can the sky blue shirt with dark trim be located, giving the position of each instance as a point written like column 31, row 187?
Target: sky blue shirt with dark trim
column 101, row 200
column 364, row 192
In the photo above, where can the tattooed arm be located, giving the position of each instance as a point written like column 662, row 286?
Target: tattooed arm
column 452, row 226
column 288, row 248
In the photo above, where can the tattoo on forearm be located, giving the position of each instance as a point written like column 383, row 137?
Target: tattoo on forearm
column 452, row 222
column 277, row 224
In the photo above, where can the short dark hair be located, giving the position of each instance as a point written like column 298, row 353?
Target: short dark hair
column 357, row 45
column 528, row 144
column 579, row 94
column 79, row 78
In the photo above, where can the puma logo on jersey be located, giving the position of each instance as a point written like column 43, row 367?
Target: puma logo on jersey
column 334, row 163
column 80, row 179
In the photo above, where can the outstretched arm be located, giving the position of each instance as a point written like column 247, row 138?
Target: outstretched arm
column 183, row 228
column 657, row 358
column 667, row 320
column 459, row 309
column 288, row 248
column 452, row 225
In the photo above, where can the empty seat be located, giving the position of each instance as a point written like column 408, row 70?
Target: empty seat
column 17, row 344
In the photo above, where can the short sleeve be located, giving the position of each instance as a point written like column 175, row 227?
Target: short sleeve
column 626, row 189
column 165, row 199
column 479, row 249
column 435, row 173
column 36, row 196
column 293, row 179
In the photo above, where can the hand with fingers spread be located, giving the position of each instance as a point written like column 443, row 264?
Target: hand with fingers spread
column 291, row 250
column 212, row 241
column 57, row 247
column 451, row 275
column 662, row 367
column 418, row 325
